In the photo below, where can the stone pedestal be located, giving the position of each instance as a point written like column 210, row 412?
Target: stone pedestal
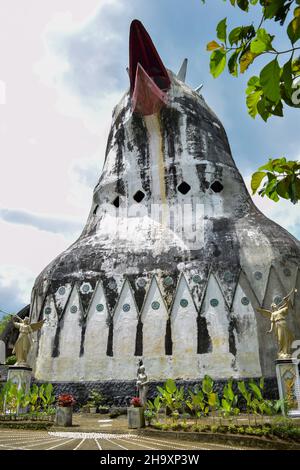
column 21, row 376
column 136, row 419
column 288, row 380
column 64, row 416
column 2, row 352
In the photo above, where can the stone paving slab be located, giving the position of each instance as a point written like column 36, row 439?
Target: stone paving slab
column 43, row 440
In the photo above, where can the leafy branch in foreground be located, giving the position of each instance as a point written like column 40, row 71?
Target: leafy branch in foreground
column 282, row 179
column 276, row 84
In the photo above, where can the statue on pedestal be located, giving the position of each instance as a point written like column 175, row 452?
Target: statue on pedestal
column 142, row 383
column 24, row 341
column 283, row 334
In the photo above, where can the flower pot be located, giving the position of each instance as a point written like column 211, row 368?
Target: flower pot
column 103, row 411
column 93, row 409
column 136, row 417
column 64, row 416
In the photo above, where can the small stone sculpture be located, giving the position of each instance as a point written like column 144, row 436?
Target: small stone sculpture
column 24, row 341
column 142, row 383
column 278, row 316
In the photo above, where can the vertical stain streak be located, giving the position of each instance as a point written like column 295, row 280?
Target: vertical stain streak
column 157, row 158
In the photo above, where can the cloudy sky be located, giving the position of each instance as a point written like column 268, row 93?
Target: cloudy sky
column 62, row 69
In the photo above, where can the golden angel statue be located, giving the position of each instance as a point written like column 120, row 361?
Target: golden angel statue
column 283, row 334
column 24, row 341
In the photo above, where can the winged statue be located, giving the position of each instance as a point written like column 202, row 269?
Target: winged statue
column 277, row 316
column 24, row 341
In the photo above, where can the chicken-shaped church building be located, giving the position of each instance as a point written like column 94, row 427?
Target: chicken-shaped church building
column 174, row 258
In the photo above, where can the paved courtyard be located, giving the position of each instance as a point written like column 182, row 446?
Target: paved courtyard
column 11, row 439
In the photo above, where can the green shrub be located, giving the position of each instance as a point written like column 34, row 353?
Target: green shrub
column 10, row 360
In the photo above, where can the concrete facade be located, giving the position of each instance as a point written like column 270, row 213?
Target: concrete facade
column 172, row 263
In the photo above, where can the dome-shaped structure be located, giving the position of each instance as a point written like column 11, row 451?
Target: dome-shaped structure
column 174, row 257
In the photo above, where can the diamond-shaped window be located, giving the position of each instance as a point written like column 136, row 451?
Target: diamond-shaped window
column 184, row 188
column 139, row 196
column 116, row 202
column 216, row 186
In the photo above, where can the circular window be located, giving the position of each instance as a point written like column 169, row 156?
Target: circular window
column 47, row 310
column 168, row 281
column 86, row 288
column 126, row 308
column 287, row 272
column 277, row 299
column 99, row 307
column 155, row 305
column 197, row 279
column 258, row 275
column 141, row 282
column 62, row 291
column 245, row 301
column 73, row 309
column 184, row 303
column 214, row 302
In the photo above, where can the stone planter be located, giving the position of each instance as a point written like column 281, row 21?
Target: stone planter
column 64, row 416
column 93, row 409
column 103, row 411
column 136, row 419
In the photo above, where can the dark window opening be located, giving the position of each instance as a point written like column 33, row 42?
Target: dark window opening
column 95, row 209
column 139, row 339
column 139, row 196
column 116, row 202
column 168, row 339
column 184, row 188
column 216, row 186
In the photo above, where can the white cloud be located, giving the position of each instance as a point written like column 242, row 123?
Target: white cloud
column 54, row 126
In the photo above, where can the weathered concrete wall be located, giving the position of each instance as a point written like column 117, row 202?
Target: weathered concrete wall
column 233, row 260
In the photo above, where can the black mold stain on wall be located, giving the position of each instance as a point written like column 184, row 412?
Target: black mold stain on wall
column 231, row 337
column 170, row 130
column 140, row 141
column 139, row 339
column 168, row 339
column 109, row 350
column 204, row 344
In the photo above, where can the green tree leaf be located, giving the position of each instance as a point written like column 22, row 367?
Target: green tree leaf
column 264, row 108
column 212, row 45
column 243, row 4
column 246, row 59
column 270, row 79
column 293, row 29
column 222, row 30
column 262, row 42
column 252, row 102
column 256, row 180
column 234, row 35
column 283, row 187
column 232, row 64
column 217, row 62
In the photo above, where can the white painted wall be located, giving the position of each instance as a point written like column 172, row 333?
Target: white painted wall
column 125, row 325
column 96, row 361
column 246, row 340
column 184, row 333
column 68, row 362
column 44, row 362
column 220, row 359
column 154, row 331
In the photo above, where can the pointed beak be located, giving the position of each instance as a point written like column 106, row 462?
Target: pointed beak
column 149, row 79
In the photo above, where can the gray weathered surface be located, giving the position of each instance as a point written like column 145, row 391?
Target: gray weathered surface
column 102, row 317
